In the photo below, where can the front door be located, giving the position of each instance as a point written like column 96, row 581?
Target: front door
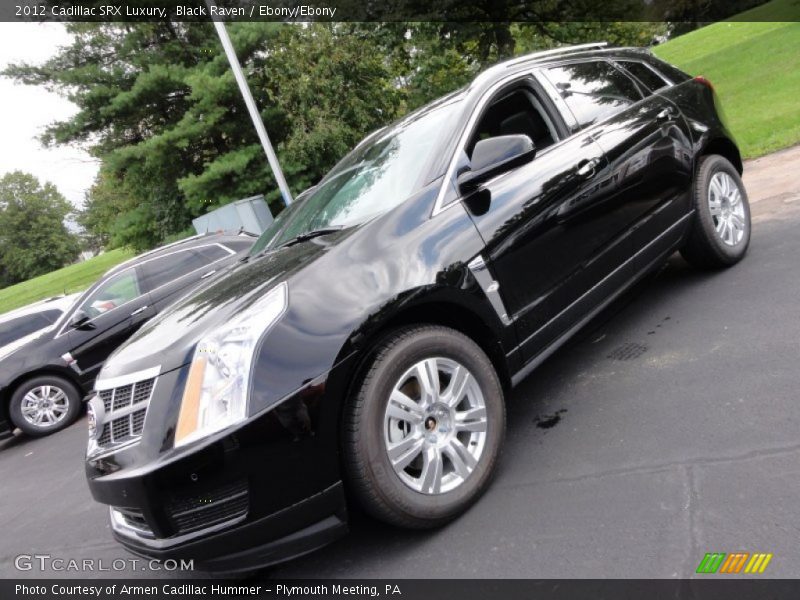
column 538, row 220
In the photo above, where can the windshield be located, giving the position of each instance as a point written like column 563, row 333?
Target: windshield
column 377, row 175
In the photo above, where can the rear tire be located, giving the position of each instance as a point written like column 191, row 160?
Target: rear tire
column 720, row 233
column 432, row 401
column 45, row 404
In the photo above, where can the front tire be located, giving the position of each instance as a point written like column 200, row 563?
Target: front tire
column 424, row 431
column 43, row 405
column 720, row 233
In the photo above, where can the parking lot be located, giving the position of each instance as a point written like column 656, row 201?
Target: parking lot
column 669, row 428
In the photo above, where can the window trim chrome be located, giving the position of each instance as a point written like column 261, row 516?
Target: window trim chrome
column 438, row 206
column 619, row 62
column 536, row 71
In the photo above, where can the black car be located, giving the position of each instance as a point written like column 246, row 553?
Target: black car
column 44, row 376
column 20, row 326
column 363, row 352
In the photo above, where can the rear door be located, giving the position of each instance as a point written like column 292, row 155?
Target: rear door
column 669, row 181
column 116, row 308
column 646, row 144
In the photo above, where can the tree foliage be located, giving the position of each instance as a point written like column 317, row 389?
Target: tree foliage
column 33, row 237
column 158, row 104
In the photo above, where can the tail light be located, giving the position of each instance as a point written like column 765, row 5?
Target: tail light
column 704, row 81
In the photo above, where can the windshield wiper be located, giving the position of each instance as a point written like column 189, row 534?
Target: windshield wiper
column 307, row 235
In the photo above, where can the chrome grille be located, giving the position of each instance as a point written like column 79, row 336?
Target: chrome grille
column 143, row 391
column 137, row 421
column 105, row 396
column 125, row 412
column 122, row 396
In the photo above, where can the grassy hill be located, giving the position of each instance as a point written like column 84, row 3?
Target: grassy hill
column 755, row 68
column 73, row 278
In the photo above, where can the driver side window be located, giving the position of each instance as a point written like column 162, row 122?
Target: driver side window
column 115, row 292
column 516, row 112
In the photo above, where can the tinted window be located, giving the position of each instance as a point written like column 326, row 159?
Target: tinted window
column 158, row 271
column 671, row 72
column 516, row 113
column 593, row 90
column 649, row 78
column 114, row 292
column 18, row 328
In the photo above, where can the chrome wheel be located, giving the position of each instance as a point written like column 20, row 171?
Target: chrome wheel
column 435, row 425
column 727, row 208
column 45, row 406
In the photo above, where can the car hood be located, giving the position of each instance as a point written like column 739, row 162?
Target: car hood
column 167, row 342
column 9, row 349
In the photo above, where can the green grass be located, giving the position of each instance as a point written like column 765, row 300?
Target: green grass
column 73, row 278
column 755, row 68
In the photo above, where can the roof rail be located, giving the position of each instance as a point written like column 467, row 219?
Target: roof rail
column 534, row 56
column 556, row 52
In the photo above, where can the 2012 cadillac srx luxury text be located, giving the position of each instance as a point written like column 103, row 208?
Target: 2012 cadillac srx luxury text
column 360, row 354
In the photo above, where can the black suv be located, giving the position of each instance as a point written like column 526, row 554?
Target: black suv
column 369, row 341
column 42, row 380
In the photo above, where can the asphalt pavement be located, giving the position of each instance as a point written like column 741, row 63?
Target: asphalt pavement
column 669, row 428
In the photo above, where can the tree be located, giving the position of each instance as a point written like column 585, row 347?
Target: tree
column 33, row 237
column 158, row 104
column 104, row 204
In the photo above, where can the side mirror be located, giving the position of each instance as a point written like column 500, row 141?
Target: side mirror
column 496, row 155
column 80, row 320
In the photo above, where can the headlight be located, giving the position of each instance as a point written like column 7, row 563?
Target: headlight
column 91, row 421
column 216, row 390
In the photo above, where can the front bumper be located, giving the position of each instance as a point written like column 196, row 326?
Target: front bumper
column 287, row 534
column 264, row 492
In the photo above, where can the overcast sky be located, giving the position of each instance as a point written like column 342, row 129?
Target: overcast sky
column 27, row 110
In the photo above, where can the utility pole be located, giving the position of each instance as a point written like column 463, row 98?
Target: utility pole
column 251, row 107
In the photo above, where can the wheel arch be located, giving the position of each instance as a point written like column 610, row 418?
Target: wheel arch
column 725, row 148
column 446, row 313
column 460, row 318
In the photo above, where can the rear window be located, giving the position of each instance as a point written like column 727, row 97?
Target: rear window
column 674, row 74
column 18, row 328
column 159, row 271
column 593, row 90
column 646, row 75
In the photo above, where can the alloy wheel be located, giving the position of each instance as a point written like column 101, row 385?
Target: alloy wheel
column 727, row 208
column 45, row 406
column 435, row 425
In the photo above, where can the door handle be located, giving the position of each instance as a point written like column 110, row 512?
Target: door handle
column 665, row 115
column 209, row 274
column 139, row 311
column 587, row 169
